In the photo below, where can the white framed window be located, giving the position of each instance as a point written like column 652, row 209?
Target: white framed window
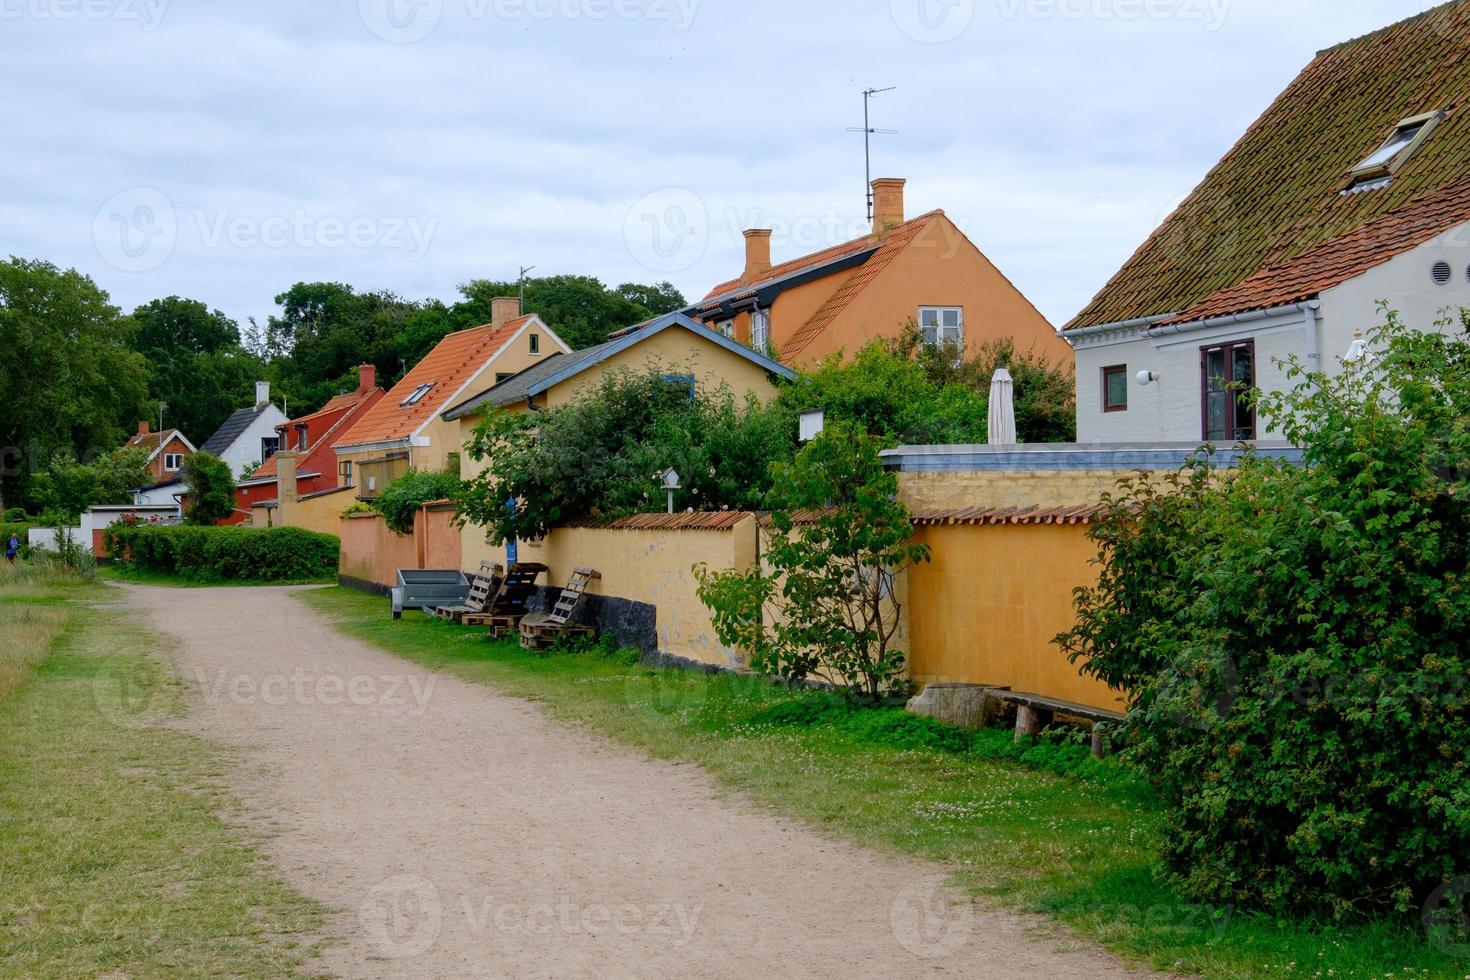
column 942, row 324
column 727, row 327
column 417, row 395
column 760, row 331
column 347, row 473
column 173, row 462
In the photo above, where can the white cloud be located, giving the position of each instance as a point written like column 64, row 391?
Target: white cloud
column 1057, row 141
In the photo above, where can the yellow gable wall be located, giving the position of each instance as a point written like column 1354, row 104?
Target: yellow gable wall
column 941, row 268
column 675, row 350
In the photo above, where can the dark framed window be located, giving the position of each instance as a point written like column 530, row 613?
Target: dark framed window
column 535, row 343
column 269, row 447
column 1228, row 373
column 346, row 473
column 302, row 439
column 1115, row 388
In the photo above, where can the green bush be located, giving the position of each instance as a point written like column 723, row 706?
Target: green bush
column 226, row 554
column 401, row 499
column 1293, row 641
column 14, row 515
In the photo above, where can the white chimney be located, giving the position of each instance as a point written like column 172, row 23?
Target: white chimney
column 262, row 394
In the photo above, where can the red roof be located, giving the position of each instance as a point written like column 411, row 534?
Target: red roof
column 153, row 441
column 456, row 359
column 343, row 404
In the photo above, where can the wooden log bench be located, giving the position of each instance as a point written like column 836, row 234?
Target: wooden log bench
column 1035, row 711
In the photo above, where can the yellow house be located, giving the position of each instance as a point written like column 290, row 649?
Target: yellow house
column 406, row 430
column 923, row 271
column 684, row 349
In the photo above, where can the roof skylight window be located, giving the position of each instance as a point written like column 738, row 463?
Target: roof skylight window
column 417, row 396
column 1378, row 167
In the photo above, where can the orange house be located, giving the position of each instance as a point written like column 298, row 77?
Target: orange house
column 922, row 271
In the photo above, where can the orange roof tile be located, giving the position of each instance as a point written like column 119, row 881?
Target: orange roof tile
column 153, row 440
column 723, row 520
column 456, row 359
column 894, row 242
column 341, row 403
column 737, row 287
column 978, row 516
column 1277, row 195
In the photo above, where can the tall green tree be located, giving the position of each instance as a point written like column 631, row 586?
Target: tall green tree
column 198, row 367
column 72, row 380
column 580, row 309
column 211, row 489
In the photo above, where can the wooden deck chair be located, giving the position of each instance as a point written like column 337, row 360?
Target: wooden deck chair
column 540, row 630
column 482, row 588
column 508, row 607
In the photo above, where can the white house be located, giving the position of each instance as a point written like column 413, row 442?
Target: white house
column 1352, row 190
column 249, row 435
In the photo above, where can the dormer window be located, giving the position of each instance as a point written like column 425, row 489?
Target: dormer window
column 1377, row 169
column 418, row 395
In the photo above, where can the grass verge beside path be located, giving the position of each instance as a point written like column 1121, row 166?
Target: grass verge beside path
column 113, row 857
column 1080, row 848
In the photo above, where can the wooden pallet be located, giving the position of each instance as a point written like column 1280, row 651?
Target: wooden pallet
column 506, row 611
column 541, row 630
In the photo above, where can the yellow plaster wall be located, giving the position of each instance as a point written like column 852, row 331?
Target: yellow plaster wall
column 985, row 610
column 652, row 567
column 321, row 514
column 952, row 491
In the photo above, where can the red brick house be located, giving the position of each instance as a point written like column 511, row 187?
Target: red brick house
column 166, row 451
column 313, row 438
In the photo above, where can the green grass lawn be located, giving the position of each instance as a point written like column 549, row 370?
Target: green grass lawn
column 1052, row 831
column 114, row 857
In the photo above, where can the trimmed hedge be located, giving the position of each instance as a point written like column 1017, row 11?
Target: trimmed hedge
column 226, row 554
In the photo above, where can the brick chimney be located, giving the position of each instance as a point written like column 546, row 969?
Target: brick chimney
column 367, row 377
column 504, row 309
column 757, row 254
column 143, row 428
column 887, row 204
column 262, row 394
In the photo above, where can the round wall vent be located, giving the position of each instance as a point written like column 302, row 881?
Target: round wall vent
column 1443, row 273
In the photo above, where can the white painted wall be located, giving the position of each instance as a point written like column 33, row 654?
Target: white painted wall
column 1407, row 284
column 1169, row 409
column 163, row 496
column 246, row 449
column 46, row 538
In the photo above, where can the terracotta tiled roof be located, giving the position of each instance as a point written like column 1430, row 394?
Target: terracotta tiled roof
column 1276, row 196
column 448, row 366
column 894, row 242
column 153, row 440
column 341, row 403
column 723, row 520
column 736, row 289
column 975, row 516
column 1343, row 258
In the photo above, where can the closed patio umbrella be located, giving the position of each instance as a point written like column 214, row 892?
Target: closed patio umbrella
column 1002, row 409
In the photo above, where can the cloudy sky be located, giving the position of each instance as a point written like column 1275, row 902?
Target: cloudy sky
column 223, row 149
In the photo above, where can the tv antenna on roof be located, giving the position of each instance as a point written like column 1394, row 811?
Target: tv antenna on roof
column 524, row 269
column 868, row 132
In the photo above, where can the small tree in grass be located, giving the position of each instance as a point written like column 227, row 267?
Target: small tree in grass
column 211, row 489
column 835, row 545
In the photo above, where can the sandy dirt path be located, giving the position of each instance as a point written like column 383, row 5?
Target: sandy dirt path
column 462, row 833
